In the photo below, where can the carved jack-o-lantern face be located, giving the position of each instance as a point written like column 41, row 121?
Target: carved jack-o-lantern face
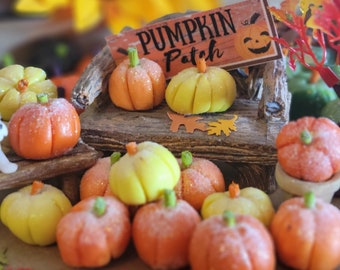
column 253, row 40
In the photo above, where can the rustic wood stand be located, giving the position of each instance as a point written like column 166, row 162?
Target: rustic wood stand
column 64, row 171
column 248, row 155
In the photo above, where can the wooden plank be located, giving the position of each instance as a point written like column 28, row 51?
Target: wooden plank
column 80, row 158
column 108, row 128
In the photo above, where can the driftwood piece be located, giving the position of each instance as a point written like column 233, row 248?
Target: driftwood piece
column 80, row 158
column 275, row 101
column 94, row 79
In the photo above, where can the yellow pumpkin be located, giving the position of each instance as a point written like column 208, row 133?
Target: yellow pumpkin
column 33, row 212
column 251, row 201
column 142, row 174
column 19, row 85
column 201, row 89
column 253, row 40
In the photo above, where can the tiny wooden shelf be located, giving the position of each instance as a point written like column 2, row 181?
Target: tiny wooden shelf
column 64, row 168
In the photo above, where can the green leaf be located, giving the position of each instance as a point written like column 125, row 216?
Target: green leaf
column 3, row 259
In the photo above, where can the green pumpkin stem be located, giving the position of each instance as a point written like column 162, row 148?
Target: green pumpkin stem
column 186, row 158
column 133, row 57
column 99, row 206
column 306, row 137
column 115, row 156
column 169, row 198
column 229, row 218
column 309, row 199
column 42, row 98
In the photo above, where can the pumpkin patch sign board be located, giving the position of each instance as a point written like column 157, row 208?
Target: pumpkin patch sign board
column 231, row 36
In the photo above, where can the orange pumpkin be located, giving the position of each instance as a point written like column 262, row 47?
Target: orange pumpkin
column 137, row 84
column 253, row 39
column 95, row 180
column 161, row 232
column 309, row 148
column 306, row 233
column 45, row 129
column 231, row 241
column 199, row 178
column 94, row 231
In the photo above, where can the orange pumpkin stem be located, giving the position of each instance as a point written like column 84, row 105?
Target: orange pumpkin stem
column 131, row 148
column 201, row 65
column 234, row 190
column 186, row 158
column 229, row 218
column 169, row 198
column 22, row 85
column 115, row 156
column 37, row 186
column 133, row 57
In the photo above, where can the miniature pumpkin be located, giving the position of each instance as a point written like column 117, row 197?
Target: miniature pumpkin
column 161, row 232
column 137, row 84
column 253, row 39
column 201, row 89
column 231, row 241
column 199, row 178
column 141, row 175
column 95, row 180
column 45, row 129
column 19, row 85
column 33, row 212
column 309, row 148
column 96, row 230
column 306, row 233
column 251, row 201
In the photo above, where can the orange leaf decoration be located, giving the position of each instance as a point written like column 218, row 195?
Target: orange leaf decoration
column 190, row 122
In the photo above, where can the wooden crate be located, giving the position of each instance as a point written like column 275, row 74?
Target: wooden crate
column 247, row 155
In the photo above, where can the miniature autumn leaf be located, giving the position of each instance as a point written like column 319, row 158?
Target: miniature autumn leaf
column 222, row 125
column 289, row 5
column 303, row 49
column 329, row 21
column 190, row 122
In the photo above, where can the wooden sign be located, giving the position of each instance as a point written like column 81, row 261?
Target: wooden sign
column 230, row 36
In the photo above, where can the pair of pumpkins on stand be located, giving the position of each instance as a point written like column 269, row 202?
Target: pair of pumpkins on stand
column 140, row 84
column 40, row 125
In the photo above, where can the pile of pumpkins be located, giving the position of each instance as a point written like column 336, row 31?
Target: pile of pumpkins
column 178, row 213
